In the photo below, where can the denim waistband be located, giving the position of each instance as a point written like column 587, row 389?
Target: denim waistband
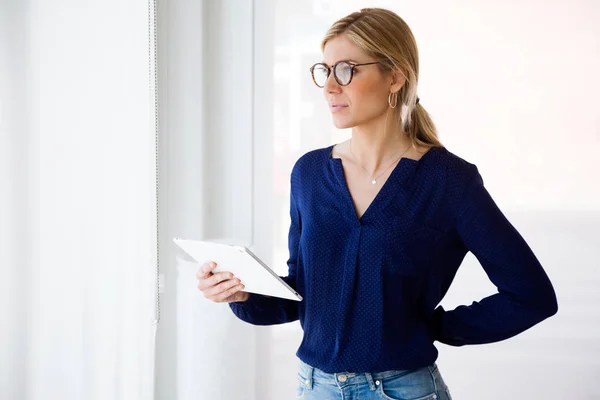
column 311, row 374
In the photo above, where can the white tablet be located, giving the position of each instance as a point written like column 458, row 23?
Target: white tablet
column 256, row 276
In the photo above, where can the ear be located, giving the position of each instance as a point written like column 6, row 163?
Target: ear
column 397, row 80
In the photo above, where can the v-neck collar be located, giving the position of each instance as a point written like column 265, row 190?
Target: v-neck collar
column 399, row 177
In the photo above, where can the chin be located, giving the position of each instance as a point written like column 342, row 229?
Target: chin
column 342, row 124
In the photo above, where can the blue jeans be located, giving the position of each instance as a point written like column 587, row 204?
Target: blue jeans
column 419, row 384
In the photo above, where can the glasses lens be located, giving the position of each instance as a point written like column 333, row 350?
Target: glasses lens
column 343, row 73
column 320, row 73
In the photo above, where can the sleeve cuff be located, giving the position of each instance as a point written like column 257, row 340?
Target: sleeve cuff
column 435, row 323
column 254, row 302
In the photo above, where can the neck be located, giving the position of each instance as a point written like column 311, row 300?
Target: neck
column 376, row 146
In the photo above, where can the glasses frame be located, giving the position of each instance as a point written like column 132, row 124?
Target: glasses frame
column 331, row 70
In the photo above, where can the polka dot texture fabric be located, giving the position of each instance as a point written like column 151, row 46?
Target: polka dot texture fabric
column 372, row 285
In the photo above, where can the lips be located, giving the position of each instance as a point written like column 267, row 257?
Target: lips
column 337, row 107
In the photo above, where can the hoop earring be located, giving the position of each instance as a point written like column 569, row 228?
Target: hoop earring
column 395, row 98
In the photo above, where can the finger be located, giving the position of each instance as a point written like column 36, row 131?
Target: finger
column 219, row 277
column 228, row 293
column 213, row 280
column 216, row 290
column 205, row 270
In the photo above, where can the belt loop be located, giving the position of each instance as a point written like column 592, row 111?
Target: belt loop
column 370, row 380
column 308, row 371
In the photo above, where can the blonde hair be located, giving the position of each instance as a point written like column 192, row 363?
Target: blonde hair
column 383, row 35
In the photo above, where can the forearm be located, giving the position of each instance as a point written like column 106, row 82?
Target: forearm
column 492, row 319
column 264, row 310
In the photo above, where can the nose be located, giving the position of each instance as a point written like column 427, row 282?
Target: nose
column 331, row 85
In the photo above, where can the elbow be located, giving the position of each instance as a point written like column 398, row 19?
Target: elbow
column 552, row 307
column 541, row 306
column 549, row 306
column 551, row 301
column 546, row 302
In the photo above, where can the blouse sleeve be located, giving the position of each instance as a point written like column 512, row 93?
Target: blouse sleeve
column 525, row 294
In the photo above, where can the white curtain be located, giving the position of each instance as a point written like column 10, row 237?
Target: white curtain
column 78, row 223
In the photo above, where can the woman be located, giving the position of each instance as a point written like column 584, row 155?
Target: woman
column 379, row 226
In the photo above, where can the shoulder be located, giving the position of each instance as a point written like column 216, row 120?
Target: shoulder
column 311, row 162
column 456, row 166
column 456, row 172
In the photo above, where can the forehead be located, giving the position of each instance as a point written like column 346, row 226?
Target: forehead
column 341, row 48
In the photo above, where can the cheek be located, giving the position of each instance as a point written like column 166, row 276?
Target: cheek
column 366, row 101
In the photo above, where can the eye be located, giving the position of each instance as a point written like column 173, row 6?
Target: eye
column 343, row 68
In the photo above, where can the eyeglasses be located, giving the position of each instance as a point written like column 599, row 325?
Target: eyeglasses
column 342, row 72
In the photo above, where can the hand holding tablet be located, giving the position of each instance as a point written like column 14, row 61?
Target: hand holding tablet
column 236, row 268
column 221, row 287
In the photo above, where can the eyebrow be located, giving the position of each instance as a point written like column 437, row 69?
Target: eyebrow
column 347, row 59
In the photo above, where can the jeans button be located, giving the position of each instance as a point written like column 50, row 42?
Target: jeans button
column 342, row 378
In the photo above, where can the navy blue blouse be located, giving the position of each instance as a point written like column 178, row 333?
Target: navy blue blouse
column 372, row 285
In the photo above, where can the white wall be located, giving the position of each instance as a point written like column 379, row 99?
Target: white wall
column 15, row 201
column 206, row 127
